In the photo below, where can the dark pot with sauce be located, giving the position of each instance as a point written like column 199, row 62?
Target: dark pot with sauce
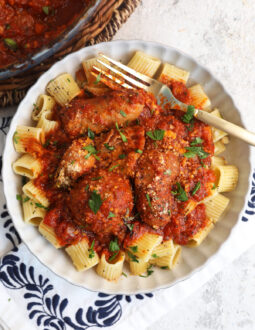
column 33, row 30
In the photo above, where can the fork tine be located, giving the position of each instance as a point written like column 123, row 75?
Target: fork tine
column 129, row 70
column 109, row 76
column 129, row 79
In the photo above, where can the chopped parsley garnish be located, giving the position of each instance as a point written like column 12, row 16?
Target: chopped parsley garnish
column 196, row 141
column 46, row 10
column 91, row 250
column 190, row 127
column 168, row 172
column 68, row 80
column 113, row 256
column 87, row 187
column 114, row 246
column 91, row 134
column 123, row 137
column 96, row 178
column 111, row 215
column 156, row 135
column 149, row 271
column 130, row 226
column 180, row 193
column 124, row 274
column 154, row 255
column 164, row 267
column 122, row 156
column 169, row 212
column 113, row 167
column 123, row 114
column 132, row 257
column 186, row 118
column 10, row 43
column 41, row 206
column 214, row 186
column 91, row 151
column 72, row 162
column 134, row 248
column 139, row 151
column 149, row 200
column 108, row 147
column 197, row 187
column 46, row 144
column 15, row 137
column 98, row 78
column 95, row 202
column 138, row 121
column 195, row 151
column 18, row 197
column 26, row 199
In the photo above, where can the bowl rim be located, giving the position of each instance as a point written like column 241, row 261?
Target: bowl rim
column 51, row 48
column 210, row 259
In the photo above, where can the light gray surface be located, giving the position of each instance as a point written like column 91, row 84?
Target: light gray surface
column 220, row 34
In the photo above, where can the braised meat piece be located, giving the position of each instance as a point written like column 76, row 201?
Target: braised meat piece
column 101, row 113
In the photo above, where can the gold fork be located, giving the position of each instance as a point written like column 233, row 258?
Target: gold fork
column 162, row 92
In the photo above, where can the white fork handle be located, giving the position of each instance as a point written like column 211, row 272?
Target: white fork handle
column 207, row 118
column 226, row 126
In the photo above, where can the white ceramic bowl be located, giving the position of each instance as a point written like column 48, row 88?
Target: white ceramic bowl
column 193, row 260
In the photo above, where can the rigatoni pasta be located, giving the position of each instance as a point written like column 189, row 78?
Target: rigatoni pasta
column 113, row 179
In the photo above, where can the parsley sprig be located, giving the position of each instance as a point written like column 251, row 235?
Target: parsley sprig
column 156, row 135
column 91, row 250
column 197, row 187
column 188, row 116
column 123, row 137
column 95, row 202
column 149, row 271
column 91, row 151
column 180, row 193
column 195, row 151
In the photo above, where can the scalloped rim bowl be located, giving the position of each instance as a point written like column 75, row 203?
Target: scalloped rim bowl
column 192, row 260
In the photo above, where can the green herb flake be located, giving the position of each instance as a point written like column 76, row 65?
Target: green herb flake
column 139, row 151
column 196, row 141
column 188, row 116
column 130, row 226
column 87, row 187
column 197, row 187
column 123, row 114
column 18, row 197
column 98, row 78
column 91, row 250
column 214, row 186
column 195, row 151
column 122, row 156
column 72, row 162
column 41, row 206
column 96, row 178
column 156, row 135
column 123, row 137
column 154, row 255
column 16, row 138
column 91, row 134
column 113, row 256
column 111, row 215
column 113, row 167
column 132, row 257
column 46, row 10
column 26, row 199
column 124, row 274
column 114, row 246
column 107, row 146
column 149, row 200
column 180, row 193
column 149, row 271
column 164, row 267
column 168, row 172
column 11, row 44
column 91, row 151
column 95, row 202
column 134, row 248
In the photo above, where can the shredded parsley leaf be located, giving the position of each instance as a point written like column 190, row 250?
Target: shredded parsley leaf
column 154, row 255
column 87, row 187
column 122, row 156
column 95, row 202
column 113, row 256
column 10, row 43
column 124, row 274
column 123, row 137
column 130, row 226
column 98, row 78
column 111, row 215
column 195, row 151
column 91, row 151
column 186, row 118
column 46, row 10
column 196, row 141
column 164, row 267
column 96, row 178
column 214, row 186
column 114, row 246
column 16, row 138
column 180, row 193
column 123, row 114
column 197, row 187
column 91, row 134
column 156, row 135
column 139, row 151
column 132, row 257
column 149, row 271
column 113, row 167
column 149, row 200
column 91, row 250
column 26, row 199
column 108, row 147
column 134, row 248
column 41, row 206
column 18, row 197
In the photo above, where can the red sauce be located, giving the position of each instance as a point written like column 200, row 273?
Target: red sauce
column 27, row 25
column 70, row 227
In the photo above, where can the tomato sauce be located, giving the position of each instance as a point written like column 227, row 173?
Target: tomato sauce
column 28, row 25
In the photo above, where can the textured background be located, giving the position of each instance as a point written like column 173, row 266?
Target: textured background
column 220, row 34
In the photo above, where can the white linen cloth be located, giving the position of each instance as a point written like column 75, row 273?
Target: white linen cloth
column 33, row 297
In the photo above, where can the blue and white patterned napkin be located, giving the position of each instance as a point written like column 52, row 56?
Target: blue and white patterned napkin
column 33, row 297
